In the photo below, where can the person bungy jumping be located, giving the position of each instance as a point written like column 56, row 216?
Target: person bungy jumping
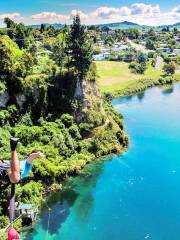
column 13, row 234
column 13, row 171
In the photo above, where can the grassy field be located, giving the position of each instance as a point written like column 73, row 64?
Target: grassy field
column 116, row 76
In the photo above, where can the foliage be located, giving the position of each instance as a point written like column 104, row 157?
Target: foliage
column 133, row 33
column 169, row 68
column 39, row 78
column 79, row 49
column 137, row 67
column 150, row 44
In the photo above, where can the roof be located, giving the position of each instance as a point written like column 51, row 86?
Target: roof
column 24, row 206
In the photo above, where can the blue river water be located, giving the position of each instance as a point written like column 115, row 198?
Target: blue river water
column 134, row 196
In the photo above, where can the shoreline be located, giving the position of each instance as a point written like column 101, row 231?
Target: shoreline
column 140, row 87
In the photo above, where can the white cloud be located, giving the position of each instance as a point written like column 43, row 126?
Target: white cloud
column 176, row 12
column 82, row 15
column 13, row 16
column 50, row 17
column 146, row 14
column 147, row 10
column 109, row 12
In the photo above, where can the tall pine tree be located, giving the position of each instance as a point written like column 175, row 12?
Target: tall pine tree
column 79, row 49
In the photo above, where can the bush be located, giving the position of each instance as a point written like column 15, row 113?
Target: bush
column 151, row 54
column 137, row 67
column 169, row 68
column 67, row 120
column 74, row 132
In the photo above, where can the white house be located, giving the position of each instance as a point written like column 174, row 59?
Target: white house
column 177, row 38
column 142, row 43
column 164, row 49
column 176, row 51
column 104, row 50
column 124, row 47
column 115, row 49
column 172, row 55
column 98, row 57
column 106, row 55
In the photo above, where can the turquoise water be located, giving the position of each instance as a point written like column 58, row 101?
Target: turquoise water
column 130, row 197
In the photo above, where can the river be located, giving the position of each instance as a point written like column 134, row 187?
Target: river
column 129, row 197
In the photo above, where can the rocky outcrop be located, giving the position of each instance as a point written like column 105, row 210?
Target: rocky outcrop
column 89, row 98
column 4, row 98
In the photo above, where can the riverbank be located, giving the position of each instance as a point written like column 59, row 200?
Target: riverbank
column 116, row 79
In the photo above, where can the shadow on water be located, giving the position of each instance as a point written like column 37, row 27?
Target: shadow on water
column 168, row 90
column 141, row 96
column 122, row 100
column 76, row 193
column 84, row 185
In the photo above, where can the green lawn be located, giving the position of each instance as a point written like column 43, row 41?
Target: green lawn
column 114, row 76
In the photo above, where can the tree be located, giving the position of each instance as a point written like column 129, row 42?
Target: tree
column 9, row 23
column 6, row 59
column 169, row 68
column 137, row 67
column 105, row 29
column 42, row 28
column 20, row 35
column 152, row 34
column 141, row 57
column 175, row 30
column 79, row 49
column 171, row 43
column 109, row 40
column 133, row 33
column 150, row 44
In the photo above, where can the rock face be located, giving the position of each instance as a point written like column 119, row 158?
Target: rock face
column 4, row 98
column 21, row 99
column 88, row 97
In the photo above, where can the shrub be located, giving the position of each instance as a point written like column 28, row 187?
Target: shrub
column 67, row 120
column 169, row 68
column 138, row 67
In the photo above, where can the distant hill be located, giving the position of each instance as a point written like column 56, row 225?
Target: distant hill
column 124, row 24
column 172, row 25
column 117, row 25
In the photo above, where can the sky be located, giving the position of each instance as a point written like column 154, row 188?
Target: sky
column 151, row 12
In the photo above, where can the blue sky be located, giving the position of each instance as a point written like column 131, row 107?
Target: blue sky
column 150, row 12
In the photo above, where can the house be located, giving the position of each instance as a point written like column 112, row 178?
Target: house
column 124, row 47
column 111, row 32
column 115, row 49
column 98, row 57
column 106, row 55
column 177, row 38
column 104, row 35
column 101, row 43
column 103, row 50
column 176, row 51
column 164, row 49
column 142, row 43
column 162, row 45
column 28, row 212
column 172, row 55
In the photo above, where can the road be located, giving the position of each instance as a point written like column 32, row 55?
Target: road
column 159, row 63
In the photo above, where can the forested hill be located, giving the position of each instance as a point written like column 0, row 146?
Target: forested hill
column 49, row 98
column 116, row 25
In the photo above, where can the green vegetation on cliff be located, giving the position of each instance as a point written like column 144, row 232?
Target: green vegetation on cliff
column 53, row 104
